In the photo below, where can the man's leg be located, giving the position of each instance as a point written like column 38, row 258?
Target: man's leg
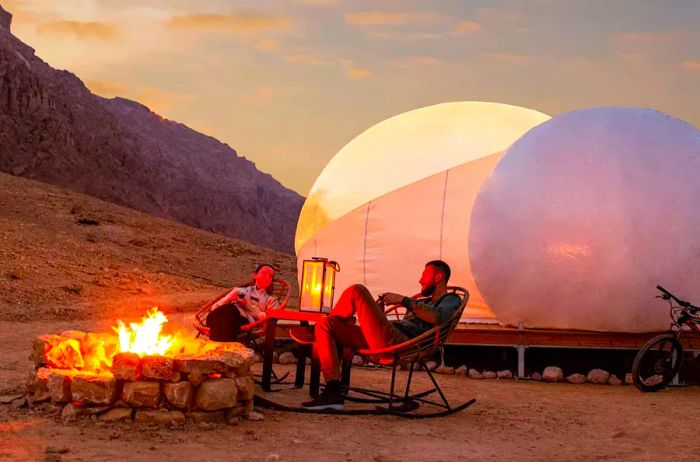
column 330, row 332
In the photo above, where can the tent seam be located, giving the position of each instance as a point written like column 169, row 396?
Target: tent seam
column 442, row 213
column 364, row 248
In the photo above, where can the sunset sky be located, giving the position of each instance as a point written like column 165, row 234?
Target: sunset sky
column 289, row 83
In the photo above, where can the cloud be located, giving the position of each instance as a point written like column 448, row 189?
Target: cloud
column 354, row 72
column 243, row 22
column 631, row 42
column 317, row 2
column 466, row 27
column 418, row 61
column 268, row 44
column 80, row 30
column 691, row 64
column 509, row 58
column 388, row 18
column 305, row 58
column 263, row 94
column 106, row 88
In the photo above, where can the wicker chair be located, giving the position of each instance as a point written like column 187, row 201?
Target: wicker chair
column 253, row 331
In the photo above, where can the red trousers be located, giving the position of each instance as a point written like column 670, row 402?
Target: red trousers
column 374, row 329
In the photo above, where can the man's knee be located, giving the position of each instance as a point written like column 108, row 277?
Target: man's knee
column 360, row 290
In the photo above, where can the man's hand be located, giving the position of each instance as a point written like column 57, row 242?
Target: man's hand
column 391, row 298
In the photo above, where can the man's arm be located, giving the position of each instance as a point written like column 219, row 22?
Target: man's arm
column 437, row 314
column 228, row 298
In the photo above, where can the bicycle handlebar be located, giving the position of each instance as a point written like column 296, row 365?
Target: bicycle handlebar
column 684, row 304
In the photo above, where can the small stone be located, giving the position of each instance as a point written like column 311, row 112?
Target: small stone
column 18, row 403
column 613, row 380
column 474, row 374
column 629, row 380
column 598, row 376
column 176, row 377
column 576, row 379
column 489, row 375
column 552, row 374
column 71, row 412
column 208, row 417
column 91, row 389
column 141, row 394
column 431, row 365
column 160, row 417
column 273, row 456
column 179, row 394
column 287, row 358
column 446, row 370
column 462, row 370
column 7, row 399
column 126, row 366
column 246, row 388
column 157, row 367
column 38, row 387
column 357, row 360
column 196, row 379
column 117, row 414
column 217, row 394
column 233, row 420
column 59, row 386
column 536, row 376
column 253, row 416
column 504, row 374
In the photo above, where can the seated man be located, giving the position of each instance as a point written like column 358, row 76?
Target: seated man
column 242, row 305
column 374, row 329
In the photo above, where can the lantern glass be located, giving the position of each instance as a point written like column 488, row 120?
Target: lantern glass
column 317, row 285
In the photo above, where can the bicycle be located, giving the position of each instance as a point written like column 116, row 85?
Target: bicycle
column 660, row 359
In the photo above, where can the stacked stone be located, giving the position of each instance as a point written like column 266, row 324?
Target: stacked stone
column 215, row 388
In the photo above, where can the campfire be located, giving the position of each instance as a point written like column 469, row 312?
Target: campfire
column 138, row 372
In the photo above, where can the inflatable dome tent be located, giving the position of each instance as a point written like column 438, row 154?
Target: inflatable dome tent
column 401, row 194
column 585, row 215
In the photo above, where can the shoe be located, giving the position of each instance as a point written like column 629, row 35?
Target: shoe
column 327, row 401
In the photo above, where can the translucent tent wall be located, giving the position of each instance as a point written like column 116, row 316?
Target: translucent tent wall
column 401, row 194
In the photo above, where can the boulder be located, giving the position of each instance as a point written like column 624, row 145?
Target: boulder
column 462, row 370
column 613, row 380
column 552, row 374
column 446, row 370
column 38, row 386
column 357, row 360
column 179, row 394
column 431, row 365
column 141, row 394
column 629, row 380
column 203, row 366
column 598, row 376
column 504, row 374
column 576, row 378
column 91, row 389
column 196, row 379
column 489, row 375
column 536, row 376
column 216, row 394
column 71, row 412
column 59, row 386
column 157, row 367
column 208, row 417
column 287, row 358
column 246, row 388
column 117, row 414
column 41, row 345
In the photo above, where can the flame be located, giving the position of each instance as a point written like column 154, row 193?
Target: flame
column 144, row 338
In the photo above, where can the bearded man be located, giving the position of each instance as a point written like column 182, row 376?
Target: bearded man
column 433, row 306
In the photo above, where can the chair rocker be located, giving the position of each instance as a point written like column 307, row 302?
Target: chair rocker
column 252, row 332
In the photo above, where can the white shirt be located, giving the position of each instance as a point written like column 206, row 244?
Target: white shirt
column 256, row 302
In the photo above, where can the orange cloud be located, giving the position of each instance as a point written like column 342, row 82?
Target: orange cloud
column 510, row 58
column 317, row 2
column 243, row 22
column 268, row 44
column 354, row 72
column 646, row 41
column 465, row 27
column 263, row 94
column 388, row 18
column 691, row 64
column 106, row 88
column 425, row 60
column 80, row 30
column 305, row 58
column 158, row 100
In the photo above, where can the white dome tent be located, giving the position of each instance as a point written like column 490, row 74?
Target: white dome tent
column 401, row 193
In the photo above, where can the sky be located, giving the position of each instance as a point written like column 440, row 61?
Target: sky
column 287, row 83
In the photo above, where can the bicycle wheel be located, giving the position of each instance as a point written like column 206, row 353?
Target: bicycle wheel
column 657, row 362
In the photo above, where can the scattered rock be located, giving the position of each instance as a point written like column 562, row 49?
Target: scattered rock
column 445, row 370
column 613, row 380
column 462, row 370
column 160, row 417
column 357, row 360
column 552, row 374
column 474, row 374
column 117, row 414
column 287, row 358
column 71, row 412
column 576, row 378
column 7, row 399
column 598, row 376
column 489, row 375
column 214, row 395
column 504, row 374
column 253, row 416
column 629, row 380
column 431, row 365
column 536, row 376
column 19, row 403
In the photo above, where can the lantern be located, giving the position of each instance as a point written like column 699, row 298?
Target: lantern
column 318, row 284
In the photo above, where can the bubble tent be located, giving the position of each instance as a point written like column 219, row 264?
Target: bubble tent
column 470, row 182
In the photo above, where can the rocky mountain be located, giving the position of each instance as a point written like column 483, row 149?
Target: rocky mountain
column 53, row 129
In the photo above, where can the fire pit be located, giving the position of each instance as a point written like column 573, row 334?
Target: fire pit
column 137, row 373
